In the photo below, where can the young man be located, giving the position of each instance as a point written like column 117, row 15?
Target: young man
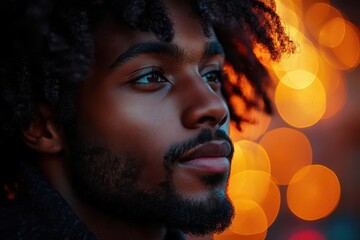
column 115, row 114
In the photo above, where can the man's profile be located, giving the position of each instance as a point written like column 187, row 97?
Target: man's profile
column 115, row 114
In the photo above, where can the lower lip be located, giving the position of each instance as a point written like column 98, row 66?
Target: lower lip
column 208, row 165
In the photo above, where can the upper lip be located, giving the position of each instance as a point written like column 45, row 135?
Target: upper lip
column 213, row 149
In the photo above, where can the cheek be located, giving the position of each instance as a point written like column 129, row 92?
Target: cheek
column 140, row 129
column 147, row 131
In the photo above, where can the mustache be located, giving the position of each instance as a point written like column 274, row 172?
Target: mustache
column 177, row 150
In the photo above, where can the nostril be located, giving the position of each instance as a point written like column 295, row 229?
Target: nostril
column 212, row 120
column 207, row 119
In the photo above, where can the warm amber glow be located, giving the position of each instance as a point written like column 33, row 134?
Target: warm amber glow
column 288, row 151
column 232, row 236
column 287, row 10
column 301, row 107
column 251, row 131
column 310, row 87
column 249, row 156
column 317, row 15
column 313, row 192
column 332, row 32
column 298, row 79
column 346, row 55
column 271, row 202
column 335, row 89
column 305, row 59
column 259, row 187
column 251, row 185
column 249, row 218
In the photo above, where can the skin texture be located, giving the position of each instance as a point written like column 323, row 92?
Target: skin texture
column 129, row 115
column 170, row 111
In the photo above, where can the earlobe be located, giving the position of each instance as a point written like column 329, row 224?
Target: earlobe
column 42, row 135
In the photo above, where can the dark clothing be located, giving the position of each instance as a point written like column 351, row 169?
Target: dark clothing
column 41, row 213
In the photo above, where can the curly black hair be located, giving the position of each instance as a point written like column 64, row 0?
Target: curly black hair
column 46, row 50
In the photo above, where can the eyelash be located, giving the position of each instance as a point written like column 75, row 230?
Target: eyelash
column 219, row 74
column 158, row 73
column 154, row 71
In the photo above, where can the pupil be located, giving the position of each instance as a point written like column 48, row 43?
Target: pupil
column 152, row 78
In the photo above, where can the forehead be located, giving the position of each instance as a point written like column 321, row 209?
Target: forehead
column 116, row 37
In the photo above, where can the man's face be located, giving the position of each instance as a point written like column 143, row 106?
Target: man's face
column 152, row 127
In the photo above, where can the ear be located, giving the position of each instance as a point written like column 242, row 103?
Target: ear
column 42, row 135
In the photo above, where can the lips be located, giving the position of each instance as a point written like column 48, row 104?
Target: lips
column 210, row 157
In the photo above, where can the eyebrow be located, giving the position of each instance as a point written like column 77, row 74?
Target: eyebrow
column 169, row 49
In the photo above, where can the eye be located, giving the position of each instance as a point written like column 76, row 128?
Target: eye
column 154, row 76
column 148, row 79
column 214, row 78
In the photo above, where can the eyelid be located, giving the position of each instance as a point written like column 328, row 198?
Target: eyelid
column 146, row 70
column 212, row 68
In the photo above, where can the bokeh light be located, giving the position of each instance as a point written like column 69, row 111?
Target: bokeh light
column 309, row 234
column 232, row 236
column 306, row 58
column 301, row 107
column 249, row 156
column 343, row 56
column 259, row 187
column 313, row 192
column 288, row 151
column 288, row 11
column 250, row 184
column 249, row 218
column 310, row 89
column 335, row 88
column 298, row 79
column 251, row 131
column 317, row 16
column 332, row 33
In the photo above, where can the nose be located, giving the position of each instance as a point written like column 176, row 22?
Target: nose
column 204, row 107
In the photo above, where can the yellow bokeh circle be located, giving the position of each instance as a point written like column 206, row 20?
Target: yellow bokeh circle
column 249, row 218
column 249, row 155
column 301, row 107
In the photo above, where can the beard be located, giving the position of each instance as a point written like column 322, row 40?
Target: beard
column 107, row 181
